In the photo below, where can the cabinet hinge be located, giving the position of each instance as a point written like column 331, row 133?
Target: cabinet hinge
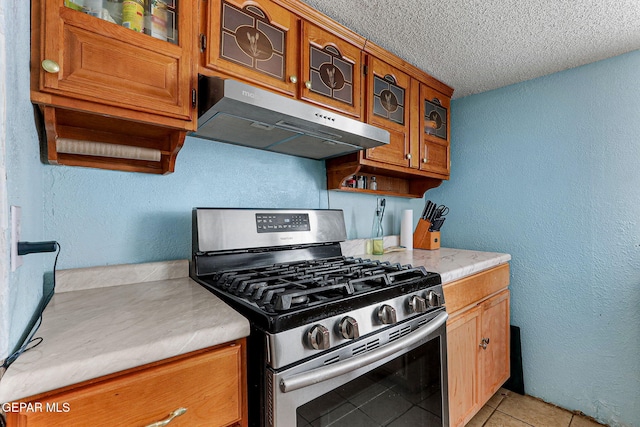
column 194, row 98
column 365, row 70
column 203, row 42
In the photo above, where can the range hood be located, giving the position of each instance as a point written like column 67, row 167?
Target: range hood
column 237, row 113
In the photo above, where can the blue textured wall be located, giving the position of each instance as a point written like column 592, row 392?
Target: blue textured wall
column 106, row 217
column 546, row 170
column 549, row 171
column 24, row 172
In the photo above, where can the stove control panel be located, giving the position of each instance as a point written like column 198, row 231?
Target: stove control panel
column 352, row 326
column 279, row 222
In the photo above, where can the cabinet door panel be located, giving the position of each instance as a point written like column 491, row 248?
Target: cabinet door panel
column 101, row 62
column 435, row 157
column 332, row 71
column 462, row 356
column 388, row 98
column 495, row 358
column 255, row 41
column 434, row 149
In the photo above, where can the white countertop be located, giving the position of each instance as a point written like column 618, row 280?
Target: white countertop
column 107, row 319
column 88, row 333
column 451, row 264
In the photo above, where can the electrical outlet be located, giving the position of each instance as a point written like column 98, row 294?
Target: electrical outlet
column 16, row 217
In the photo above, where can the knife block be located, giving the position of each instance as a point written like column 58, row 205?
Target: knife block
column 425, row 239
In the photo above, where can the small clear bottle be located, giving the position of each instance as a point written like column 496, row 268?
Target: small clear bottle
column 377, row 233
column 373, row 184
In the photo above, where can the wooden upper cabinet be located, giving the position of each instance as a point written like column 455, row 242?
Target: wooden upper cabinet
column 332, row 71
column 256, row 41
column 111, row 97
column 434, row 131
column 106, row 68
column 389, row 98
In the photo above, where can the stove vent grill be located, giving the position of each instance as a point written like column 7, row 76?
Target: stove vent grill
column 399, row 333
column 371, row 345
column 332, row 360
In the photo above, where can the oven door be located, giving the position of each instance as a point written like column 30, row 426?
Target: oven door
column 397, row 377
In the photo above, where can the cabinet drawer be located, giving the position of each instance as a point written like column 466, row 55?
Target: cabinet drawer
column 472, row 289
column 208, row 385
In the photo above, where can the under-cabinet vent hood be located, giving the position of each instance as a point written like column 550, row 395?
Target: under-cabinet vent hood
column 237, row 113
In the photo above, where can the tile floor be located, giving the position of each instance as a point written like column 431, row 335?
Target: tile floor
column 509, row 409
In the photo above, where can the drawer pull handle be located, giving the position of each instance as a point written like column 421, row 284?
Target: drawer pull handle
column 166, row 421
column 484, row 343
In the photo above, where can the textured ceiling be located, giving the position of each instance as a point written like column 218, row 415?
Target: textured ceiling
column 479, row 45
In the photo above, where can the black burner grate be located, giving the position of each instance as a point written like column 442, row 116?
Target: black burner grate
column 289, row 286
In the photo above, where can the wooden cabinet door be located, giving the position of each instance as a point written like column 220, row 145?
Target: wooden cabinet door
column 494, row 355
column 210, row 386
column 463, row 335
column 332, row 71
column 104, row 63
column 388, row 98
column 434, row 132
column 256, row 41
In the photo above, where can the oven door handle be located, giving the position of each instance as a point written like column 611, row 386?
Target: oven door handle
column 324, row 373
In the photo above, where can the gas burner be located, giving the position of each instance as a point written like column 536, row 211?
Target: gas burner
column 292, row 286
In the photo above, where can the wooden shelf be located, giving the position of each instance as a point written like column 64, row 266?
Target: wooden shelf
column 395, row 182
column 75, row 138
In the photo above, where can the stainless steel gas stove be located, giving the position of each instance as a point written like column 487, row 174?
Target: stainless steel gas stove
column 328, row 331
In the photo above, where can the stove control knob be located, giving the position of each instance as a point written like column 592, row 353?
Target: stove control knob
column 433, row 299
column 348, row 327
column 417, row 304
column 318, row 337
column 387, row 315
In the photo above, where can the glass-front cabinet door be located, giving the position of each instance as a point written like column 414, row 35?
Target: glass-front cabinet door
column 99, row 53
column 388, row 106
column 434, row 144
column 254, row 41
column 157, row 18
column 332, row 70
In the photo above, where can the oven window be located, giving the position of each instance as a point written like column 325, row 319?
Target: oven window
column 403, row 392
